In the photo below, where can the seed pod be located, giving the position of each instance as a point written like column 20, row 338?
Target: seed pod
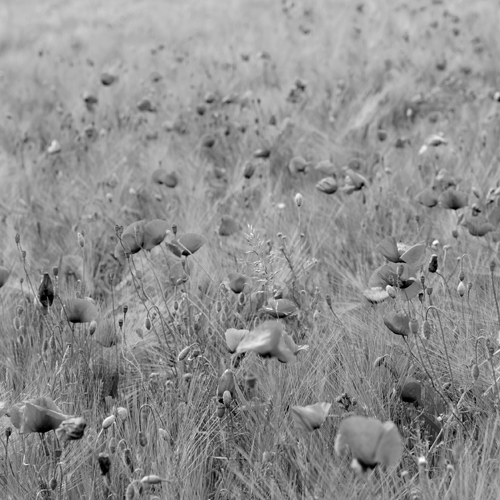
column 475, row 371
column 226, row 398
column 108, row 422
column 413, row 325
column 143, row 440
column 461, row 289
column 104, row 463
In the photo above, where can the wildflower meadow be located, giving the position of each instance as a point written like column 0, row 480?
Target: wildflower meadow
column 249, row 250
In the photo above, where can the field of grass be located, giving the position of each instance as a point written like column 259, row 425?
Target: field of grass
column 247, row 106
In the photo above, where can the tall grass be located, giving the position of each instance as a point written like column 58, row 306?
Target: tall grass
column 406, row 69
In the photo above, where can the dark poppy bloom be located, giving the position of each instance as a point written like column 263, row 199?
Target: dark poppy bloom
column 46, row 291
column 280, row 308
column 79, row 311
column 311, row 417
column 327, row 185
column 186, row 244
column 398, row 323
column 154, row 233
column 399, row 252
column 453, row 199
column 411, row 392
column 370, row 441
column 388, row 275
column 228, row 226
column 427, row 197
column 478, row 225
column 161, row 176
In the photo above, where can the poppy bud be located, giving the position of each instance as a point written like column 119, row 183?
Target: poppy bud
column 298, row 199
column 461, row 276
column 125, row 309
column 248, row 170
column 461, row 289
column 121, row 413
column 226, row 398
column 112, row 445
column 108, row 422
column 174, row 229
column 454, row 233
column 143, row 439
column 492, row 265
column 400, row 270
column 390, row 291
column 17, row 238
column 53, row 484
column 413, row 326
column 183, row 354
column 221, row 409
column 81, row 239
column 147, row 324
column 475, row 371
column 120, row 323
column 92, row 327
column 55, row 271
column 426, row 329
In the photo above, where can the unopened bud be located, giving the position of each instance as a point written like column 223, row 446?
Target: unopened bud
column 143, row 439
column 461, row 289
column 400, row 270
column 174, row 229
column 492, row 265
column 391, row 291
column 226, row 398
column 426, row 329
column 108, row 422
column 461, row 275
column 125, row 309
column 454, row 233
column 298, row 199
column 93, row 327
column 81, row 239
column 147, row 324
column 433, row 264
column 112, row 445
column 475, row 371
column 55, row 271
column 120, row 323
column 53, row 484
column 413, row 326
column 17, row 238
column 183, row 354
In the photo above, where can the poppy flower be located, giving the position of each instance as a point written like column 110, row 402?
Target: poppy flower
column 162, row 177
column 108, row 79
column 326, row 167
column 427, row 197
column 226, row 383
column 397, row 253
column 145, row 105
column 39, row 415
column 155, row 232
column 478, row 225
column 327, row 185
column 186, row 244
column 370, row 441
column 262, row 153
column 280, row 308
column 4, row 276
column 71, row 429
column 388, row 275
column 353, row 180
column 177, row 274
column 297, row 165
column 398, row 323
column 453, row 199
column 311, row 417
column 228, row 226
column 237, row 282
column 131, row 241
column 234, row 337
column 411, row 392
column 266, row 341
column 79, row 311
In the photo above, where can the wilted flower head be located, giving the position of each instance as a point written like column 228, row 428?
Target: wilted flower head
column 370, row 441
column 71, row 429
column 310, row 418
